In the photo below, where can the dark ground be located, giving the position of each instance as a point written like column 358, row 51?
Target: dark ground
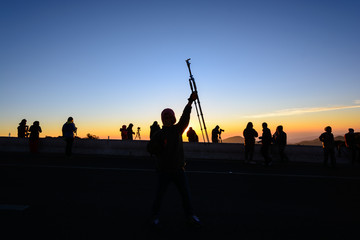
column 98, row 197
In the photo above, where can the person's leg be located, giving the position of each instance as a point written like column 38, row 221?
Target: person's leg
column 181, row 182
column 182, row 185
column 246, row 153
column 326, row 156
column 69, row 144
column 251, row 152
column 267, row 155
column 332, row 157
column 163, row 182
column 353, row 151
column 263, row 152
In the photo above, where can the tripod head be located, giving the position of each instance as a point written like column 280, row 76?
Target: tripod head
column 188, row 65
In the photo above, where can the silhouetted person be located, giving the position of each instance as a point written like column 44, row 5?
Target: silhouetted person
column 23, row 129
column 170, row 160
column 123, row 132
column 35, row 131
column 192, row 136
column 154, row 128
column 68, row 131
column 249, row 134
column 130, row 132
column 266, row 139
column 350, row 143
column 327, row 139
column 215, row 134
column 280, row 140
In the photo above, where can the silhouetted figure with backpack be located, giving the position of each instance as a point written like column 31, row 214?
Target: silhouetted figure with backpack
column 167, row 145
column 327, row 139
column 23, row 129
column 35, row 131
column 249, row 134
column 123, row 132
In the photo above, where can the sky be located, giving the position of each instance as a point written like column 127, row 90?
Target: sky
column 112, row 63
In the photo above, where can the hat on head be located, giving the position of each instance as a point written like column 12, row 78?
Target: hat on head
column 168, row 113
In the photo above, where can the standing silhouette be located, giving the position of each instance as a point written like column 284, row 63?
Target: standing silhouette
column 68, row 131
column 170, row 161
column 215, row 134
column 327, row 138
column 351, row 144
column 266, row 139
column 35, row 131
column 192, row 136
column 154, row 128
column 280, row 140
column 123, row 132
column 23, row 129
column 130, row 132
column 249, row 134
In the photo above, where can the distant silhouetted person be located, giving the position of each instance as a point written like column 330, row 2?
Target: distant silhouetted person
column 192, row 136
column 215, row 134
column 154, row 128
column 35, row 131
column 170, row 160
column 130, row 132
column 249, row 134
column 327, row 139
column 350, row 143
column 68, row 131
column 280, row 140
column 266, row 139
column 23, row 129
column 123, row 132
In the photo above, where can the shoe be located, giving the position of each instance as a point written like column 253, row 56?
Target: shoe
column 194, row 221
column 155, row 222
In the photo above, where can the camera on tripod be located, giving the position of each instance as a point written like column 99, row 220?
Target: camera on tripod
column 222, row 130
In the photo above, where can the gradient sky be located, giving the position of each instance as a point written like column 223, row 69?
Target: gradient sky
column 109, row 63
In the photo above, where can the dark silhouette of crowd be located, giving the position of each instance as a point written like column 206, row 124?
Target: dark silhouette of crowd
column 270, row 144
column 127, row 132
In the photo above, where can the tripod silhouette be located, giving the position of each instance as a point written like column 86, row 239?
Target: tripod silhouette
column 137, row 135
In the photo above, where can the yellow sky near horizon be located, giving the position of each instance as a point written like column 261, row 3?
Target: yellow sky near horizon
column 296, row 125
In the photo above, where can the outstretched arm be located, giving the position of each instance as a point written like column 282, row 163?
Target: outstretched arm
column 185, row 117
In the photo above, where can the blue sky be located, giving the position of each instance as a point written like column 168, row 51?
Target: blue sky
column 109, row 63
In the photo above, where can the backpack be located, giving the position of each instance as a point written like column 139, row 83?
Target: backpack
column 156, row 144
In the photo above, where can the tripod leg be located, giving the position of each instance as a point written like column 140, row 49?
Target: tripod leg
column 197, row 112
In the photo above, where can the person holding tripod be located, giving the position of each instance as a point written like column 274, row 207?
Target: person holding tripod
column 167, row 145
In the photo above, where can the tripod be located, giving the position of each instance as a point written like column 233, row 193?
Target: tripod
column 197, row 103
column 137, row 135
